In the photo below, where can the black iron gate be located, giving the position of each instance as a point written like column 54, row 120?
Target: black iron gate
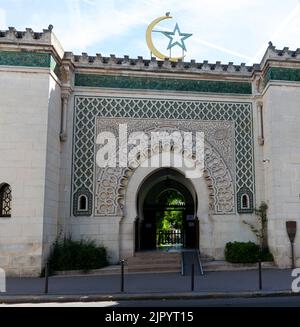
column 170, row 238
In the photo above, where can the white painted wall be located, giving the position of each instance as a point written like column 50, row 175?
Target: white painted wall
column 65, row 189
column 52, row 178
column 282, row 173
column 24, row 121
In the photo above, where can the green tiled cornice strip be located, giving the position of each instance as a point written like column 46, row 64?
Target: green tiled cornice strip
column 282, row 74
column 168, row 84
column 27, row 59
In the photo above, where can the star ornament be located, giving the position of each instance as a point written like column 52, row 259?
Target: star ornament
column 177, row 38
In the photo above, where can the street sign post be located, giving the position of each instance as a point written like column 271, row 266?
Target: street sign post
column 291, row 227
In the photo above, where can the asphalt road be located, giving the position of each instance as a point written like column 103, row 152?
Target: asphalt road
column 293, row 301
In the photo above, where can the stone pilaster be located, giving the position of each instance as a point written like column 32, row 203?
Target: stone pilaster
column 67, row 79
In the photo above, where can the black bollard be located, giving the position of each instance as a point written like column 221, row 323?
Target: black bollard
column 293, row 255
column 260, row 273
column 193, row 278
column 122, row 276
column 46, row 278
column 291, row 227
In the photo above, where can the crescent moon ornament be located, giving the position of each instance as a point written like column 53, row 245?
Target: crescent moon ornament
column 150, row 43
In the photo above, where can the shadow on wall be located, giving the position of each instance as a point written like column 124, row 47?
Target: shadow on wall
column 51, row 224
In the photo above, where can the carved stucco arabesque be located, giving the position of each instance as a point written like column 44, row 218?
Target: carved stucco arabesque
column 219, row 170
column 88, row 109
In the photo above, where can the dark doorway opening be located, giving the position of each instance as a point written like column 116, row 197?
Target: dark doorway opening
column 167, row 208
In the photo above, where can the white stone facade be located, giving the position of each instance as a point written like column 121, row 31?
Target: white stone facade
column 52, row 105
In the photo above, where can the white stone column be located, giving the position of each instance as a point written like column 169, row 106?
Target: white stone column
column 64, row 118
column 260, row 121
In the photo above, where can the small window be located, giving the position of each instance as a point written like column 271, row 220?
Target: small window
column 5, row 201
column 83, row 203
column 245, row 201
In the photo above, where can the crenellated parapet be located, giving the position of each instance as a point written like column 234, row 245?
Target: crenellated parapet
column 29, row 40
column 42, row 49
column 12, row 35
column 278, row 65
column 280, row 55
column 113, row 62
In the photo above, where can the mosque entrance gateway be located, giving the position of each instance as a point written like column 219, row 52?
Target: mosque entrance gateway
column 167, row 206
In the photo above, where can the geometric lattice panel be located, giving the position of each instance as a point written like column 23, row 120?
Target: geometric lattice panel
column 87, row 109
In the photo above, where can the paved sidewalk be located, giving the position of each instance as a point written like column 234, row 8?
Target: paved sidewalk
column 274, row 280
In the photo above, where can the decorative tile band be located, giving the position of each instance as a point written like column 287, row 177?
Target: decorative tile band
column 282, row 74
column 27, row 59
column 167, row 84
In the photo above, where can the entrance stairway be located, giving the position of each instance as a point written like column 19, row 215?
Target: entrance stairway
column 155, row 262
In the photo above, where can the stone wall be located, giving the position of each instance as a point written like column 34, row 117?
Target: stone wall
column 53, row 162
column 282, row 166
column 24, row 99
column 39, row 167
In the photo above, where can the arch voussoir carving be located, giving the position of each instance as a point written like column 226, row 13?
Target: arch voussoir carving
column 114, row 182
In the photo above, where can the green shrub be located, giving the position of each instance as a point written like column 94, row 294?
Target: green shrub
column 266, row 256
column 239, row 252
column 77, row 255
column 242, row 252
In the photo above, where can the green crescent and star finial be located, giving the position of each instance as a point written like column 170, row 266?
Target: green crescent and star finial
column 177, row 35
column 176, row 38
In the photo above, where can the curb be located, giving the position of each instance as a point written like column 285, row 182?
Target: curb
column 213, row 266
column 134, row 297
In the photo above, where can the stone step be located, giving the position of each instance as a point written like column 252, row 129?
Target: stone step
column 150, row 261
column 153, row 259
column 226, row 266
column 156, row 253
column 170, row 263
column 154, row 262
column 145, row 256
column 107, row 271
column 154, row 267
column 151, row 271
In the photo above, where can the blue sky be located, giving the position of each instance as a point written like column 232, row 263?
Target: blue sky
column 232, row 30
